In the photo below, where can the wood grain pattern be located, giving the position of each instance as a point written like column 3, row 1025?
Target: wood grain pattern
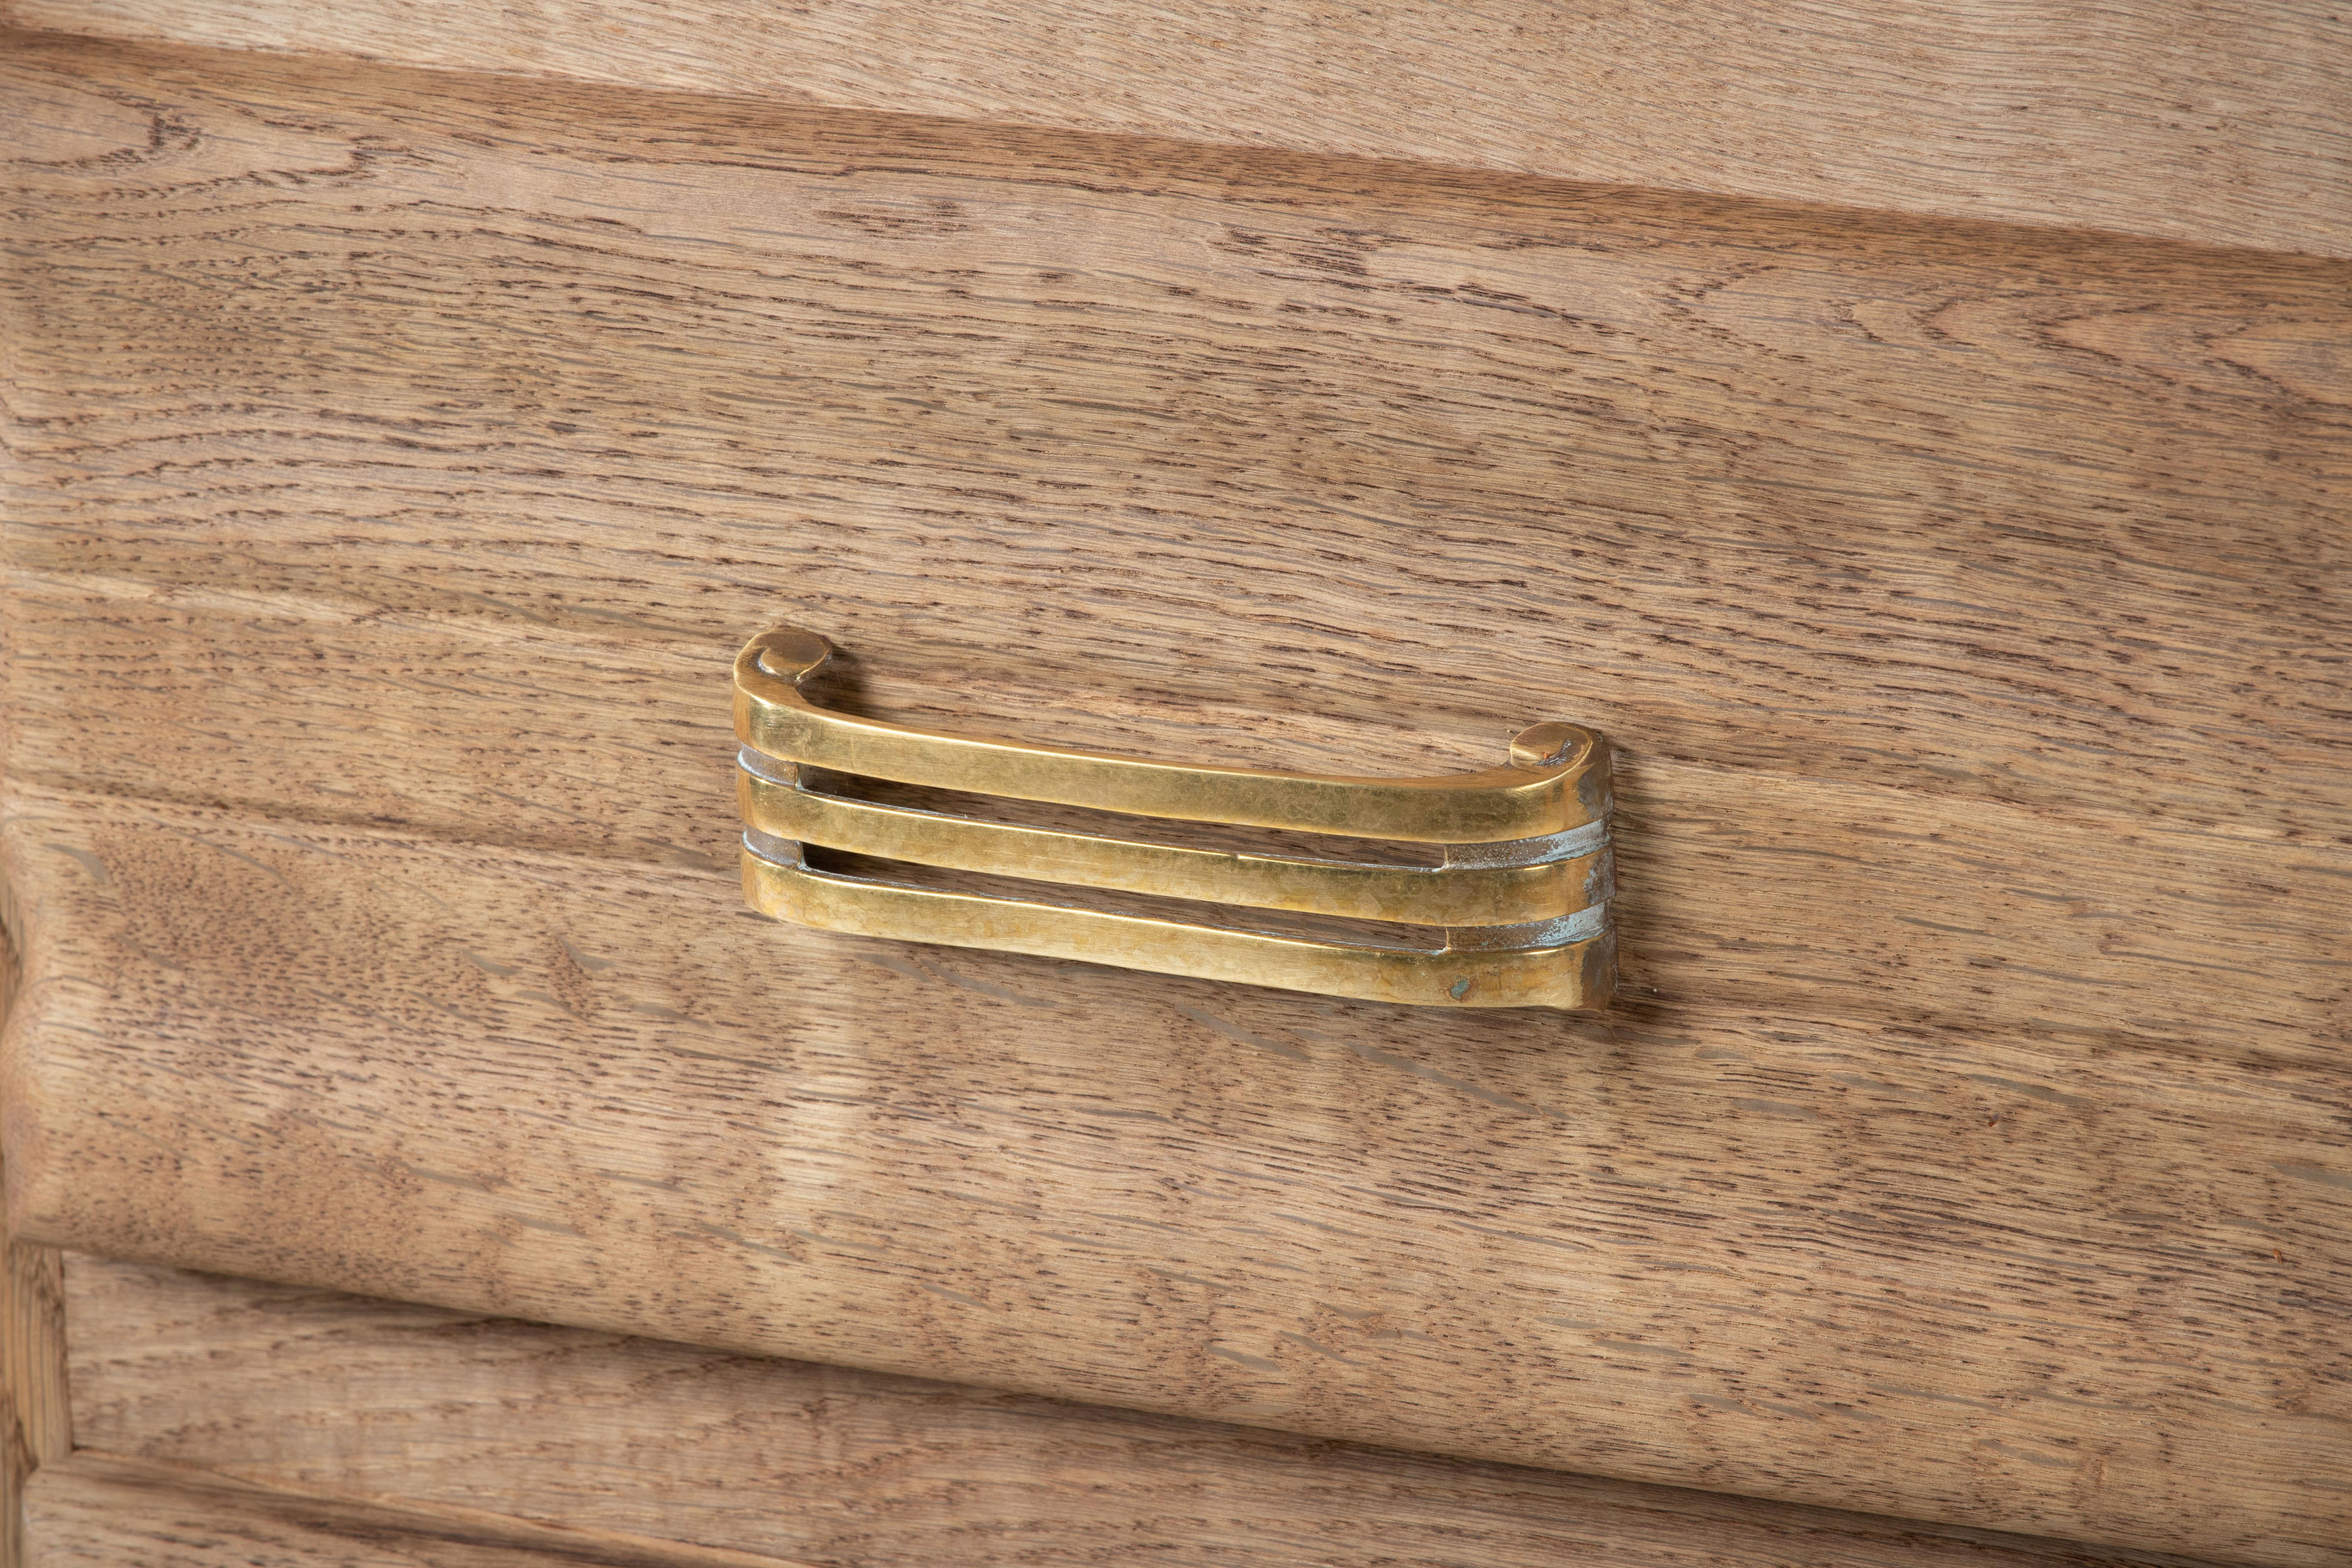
column 33, row 1402
column 2223, row 123
column 35, row 1423
column 1737, row 888
column 396, row 458
column 1993, row 1279
column 430, row 1409
column 1800, row 633
column 100, row 1511
column 1970, row 512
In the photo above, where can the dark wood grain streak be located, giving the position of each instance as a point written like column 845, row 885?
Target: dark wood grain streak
column 425, row 1408
column 2223, row 123
column 1980, row 1277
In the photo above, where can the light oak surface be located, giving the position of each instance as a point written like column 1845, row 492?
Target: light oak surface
column 463, row 521
column 1259, row 455
column 1737, row 888
column 396, row 459
column 432, row 1410
column 1993, row 1279
column 98, row 1511
column 35, row 1422
column 2223, row 123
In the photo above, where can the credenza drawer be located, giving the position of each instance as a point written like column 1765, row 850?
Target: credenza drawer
column 399, row 457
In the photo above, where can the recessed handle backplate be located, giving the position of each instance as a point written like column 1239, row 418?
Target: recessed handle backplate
column 1515, row 916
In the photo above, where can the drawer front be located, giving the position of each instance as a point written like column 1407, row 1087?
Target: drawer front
column 2218, row 124
column 400, row 457
column 259, row 1413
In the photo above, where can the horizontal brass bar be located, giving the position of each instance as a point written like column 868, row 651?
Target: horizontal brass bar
column 1572, row 975
column 1558, row 779
column 1481, row 895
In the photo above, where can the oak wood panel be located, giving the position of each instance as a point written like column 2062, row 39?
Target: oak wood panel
column 1965, row 510
column 1737, row 888
column 1712, row 518
column 410, row 450
column 35, row 1422
column 344, row 1395
column 2224, row 122
column 32, row 1380
column 100, row 1510
column 1991, row 1278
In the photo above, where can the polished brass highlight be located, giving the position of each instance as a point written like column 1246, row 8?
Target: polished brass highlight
column 1522, row 898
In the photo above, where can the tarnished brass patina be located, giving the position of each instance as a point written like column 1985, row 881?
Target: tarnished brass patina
column 1522, row 898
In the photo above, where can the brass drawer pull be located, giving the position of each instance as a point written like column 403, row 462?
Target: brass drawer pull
column 1522, row 896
